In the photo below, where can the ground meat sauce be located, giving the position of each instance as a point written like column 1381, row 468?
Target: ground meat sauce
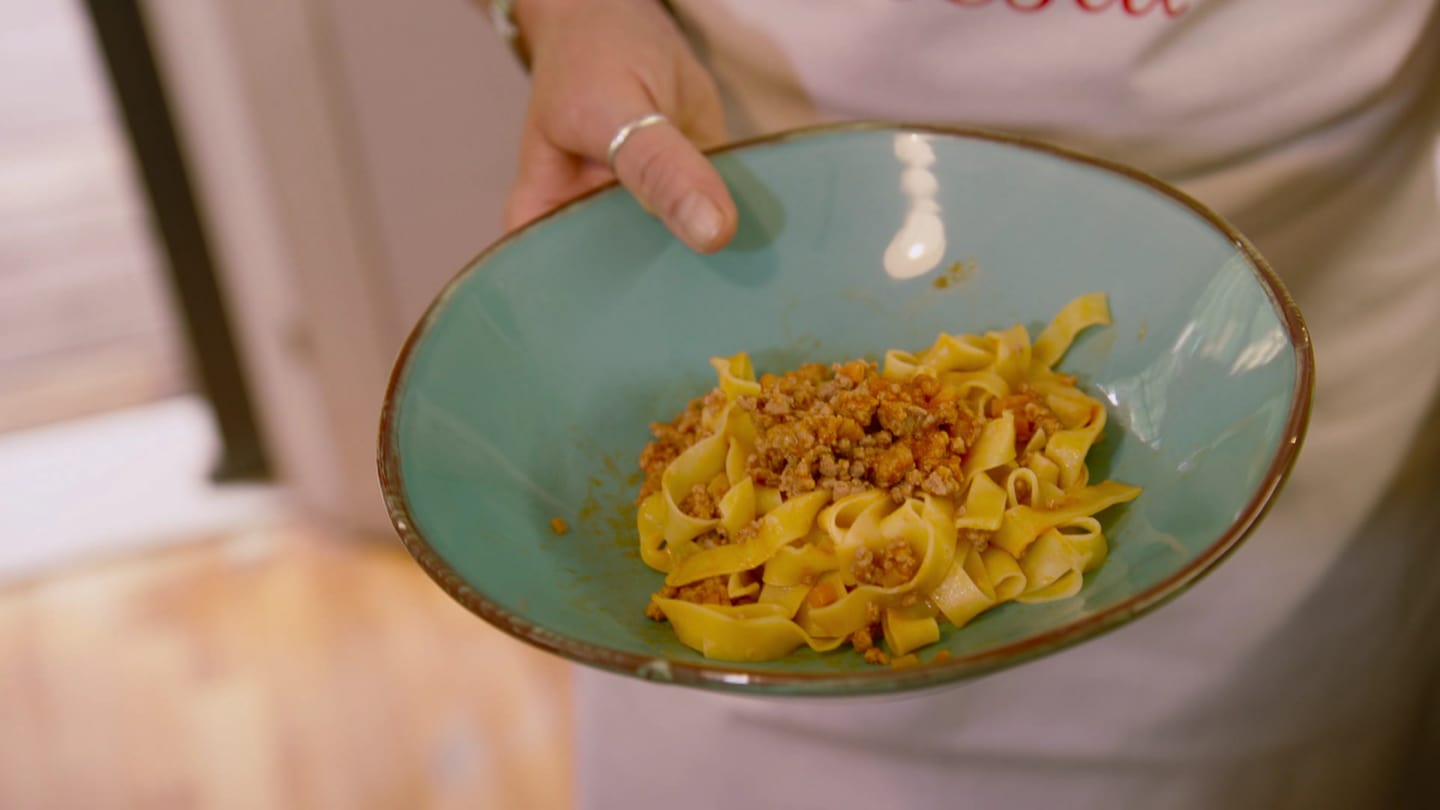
column 844, row 429
column 891, row 567
column 673, row 438
column 703, row 501
column 1031, row 414
column 711, row 591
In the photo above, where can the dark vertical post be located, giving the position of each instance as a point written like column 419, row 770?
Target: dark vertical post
column 119, row 27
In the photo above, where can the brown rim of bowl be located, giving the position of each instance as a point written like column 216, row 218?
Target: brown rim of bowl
column 879, row 679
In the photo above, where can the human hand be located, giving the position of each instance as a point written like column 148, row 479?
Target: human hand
column 596, row 65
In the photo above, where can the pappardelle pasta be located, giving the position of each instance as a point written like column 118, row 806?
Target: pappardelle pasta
column 861, row 504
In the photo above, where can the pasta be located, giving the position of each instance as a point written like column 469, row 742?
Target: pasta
column 864, row 505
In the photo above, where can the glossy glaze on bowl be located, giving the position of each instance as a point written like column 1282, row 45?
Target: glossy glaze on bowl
column 526, row 391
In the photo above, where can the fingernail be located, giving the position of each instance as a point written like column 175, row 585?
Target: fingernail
column 699, row 220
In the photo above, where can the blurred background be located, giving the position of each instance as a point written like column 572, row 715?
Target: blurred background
column 217, row 222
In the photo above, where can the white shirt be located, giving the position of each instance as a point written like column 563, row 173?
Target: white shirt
column 1290, row 676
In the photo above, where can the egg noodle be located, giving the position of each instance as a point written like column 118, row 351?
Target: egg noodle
column 856, row 503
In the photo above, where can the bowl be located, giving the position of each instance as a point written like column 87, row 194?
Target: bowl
column 525, row 392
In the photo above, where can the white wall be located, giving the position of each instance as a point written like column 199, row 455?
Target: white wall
column 350, row 156
column 436, row 103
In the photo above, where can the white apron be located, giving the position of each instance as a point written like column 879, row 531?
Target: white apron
column 1296, row 675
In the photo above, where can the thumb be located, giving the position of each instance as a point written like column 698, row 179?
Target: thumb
column 675, row 182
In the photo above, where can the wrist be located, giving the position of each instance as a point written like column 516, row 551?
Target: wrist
column 536, row 19
column 537, row 16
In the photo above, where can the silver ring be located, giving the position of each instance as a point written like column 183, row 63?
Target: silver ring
column 626, row 131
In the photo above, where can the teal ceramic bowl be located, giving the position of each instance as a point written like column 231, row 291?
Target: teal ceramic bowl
column 526, row 391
